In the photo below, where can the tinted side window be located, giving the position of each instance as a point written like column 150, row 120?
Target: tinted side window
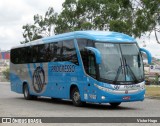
column 35, row 54
column 48, row 53
column 56, row 51
column 22, row 55
column 91, row 65
column 28, row 54
column 69, row 52
column 14, row 56
column 82, row 43
column 41, row 53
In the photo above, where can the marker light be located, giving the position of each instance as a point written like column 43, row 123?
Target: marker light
column 103, row 97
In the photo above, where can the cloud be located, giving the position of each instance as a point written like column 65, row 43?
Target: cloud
column 12, row 11
column 151, row 44
column 42, row 5
column 16, row 13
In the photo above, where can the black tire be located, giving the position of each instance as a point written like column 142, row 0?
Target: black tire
column 115, row 104
column 76, row 98
column 26, row 93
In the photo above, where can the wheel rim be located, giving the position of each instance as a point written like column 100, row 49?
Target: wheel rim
column 76, row 96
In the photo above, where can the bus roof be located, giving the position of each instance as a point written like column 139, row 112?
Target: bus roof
column 103, row 36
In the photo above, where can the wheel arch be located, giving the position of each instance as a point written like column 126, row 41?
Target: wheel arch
column 71, row 88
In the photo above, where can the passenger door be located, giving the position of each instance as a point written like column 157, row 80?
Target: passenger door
column 89, row 63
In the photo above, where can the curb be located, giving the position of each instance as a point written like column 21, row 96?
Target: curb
column 152, row 85
column 153, row 97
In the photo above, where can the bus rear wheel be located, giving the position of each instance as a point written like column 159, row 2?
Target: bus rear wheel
column 115, row 104
column 76, row 98
column 26, row 93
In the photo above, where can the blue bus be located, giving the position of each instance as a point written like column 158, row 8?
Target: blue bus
column 84, row 66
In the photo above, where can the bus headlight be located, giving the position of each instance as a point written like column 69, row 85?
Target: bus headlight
column 103, row 88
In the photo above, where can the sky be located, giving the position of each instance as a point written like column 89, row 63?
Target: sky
column 150, row 44
column 16, row 13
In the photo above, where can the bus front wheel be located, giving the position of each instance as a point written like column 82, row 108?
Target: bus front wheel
column 76, row 98
column 115, row 104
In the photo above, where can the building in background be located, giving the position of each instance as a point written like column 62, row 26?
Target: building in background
column 4, row 63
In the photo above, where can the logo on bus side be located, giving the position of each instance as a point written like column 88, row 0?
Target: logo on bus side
column 117, row 87
column 38, row 80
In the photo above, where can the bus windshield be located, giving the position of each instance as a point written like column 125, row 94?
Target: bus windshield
column 121, row 63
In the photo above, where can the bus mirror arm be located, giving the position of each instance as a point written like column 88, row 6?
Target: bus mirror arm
column 97, row 54
column 149, row 56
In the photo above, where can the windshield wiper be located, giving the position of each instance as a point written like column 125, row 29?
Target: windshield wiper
column 118, row 72
column 129, row 68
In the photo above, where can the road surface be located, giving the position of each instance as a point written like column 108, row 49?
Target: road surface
column 14, row 105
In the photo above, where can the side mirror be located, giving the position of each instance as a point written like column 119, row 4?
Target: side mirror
column 149, row 56
column 97, row 54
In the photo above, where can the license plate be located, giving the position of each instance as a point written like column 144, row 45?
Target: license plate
column 126, row 98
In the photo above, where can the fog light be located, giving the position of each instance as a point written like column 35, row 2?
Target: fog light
column 103, row 97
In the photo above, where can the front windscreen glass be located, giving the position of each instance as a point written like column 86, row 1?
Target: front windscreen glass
column 132, row 61
column 120, row 63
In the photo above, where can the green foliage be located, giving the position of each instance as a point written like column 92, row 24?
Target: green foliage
column 31, row 32
column 128, row 16
column 133, row 17
column 6, row 73
column 42, row 26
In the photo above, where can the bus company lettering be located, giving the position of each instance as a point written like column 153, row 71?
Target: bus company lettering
column 63, row 68
column 131, row 86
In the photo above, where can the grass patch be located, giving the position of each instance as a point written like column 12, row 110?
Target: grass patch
column 153, row 91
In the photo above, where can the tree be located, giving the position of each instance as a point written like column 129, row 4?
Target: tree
column 133, row 17
column 46, row 24
column 147, row 15
column 31, row 32
column 6, row 73
column 43, row 26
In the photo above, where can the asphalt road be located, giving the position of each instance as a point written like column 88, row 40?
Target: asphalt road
column 14, row 105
